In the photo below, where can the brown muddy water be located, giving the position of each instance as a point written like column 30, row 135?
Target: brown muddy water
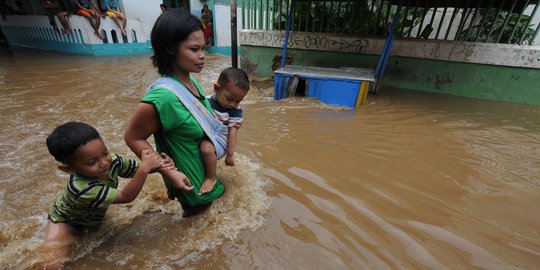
column 411, row 180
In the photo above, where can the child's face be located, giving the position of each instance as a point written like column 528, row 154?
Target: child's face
column 92, row 160
column 229, row 95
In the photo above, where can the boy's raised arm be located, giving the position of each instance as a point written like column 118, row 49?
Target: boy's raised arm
column 150, row 161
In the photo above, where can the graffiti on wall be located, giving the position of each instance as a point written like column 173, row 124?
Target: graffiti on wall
column 455, row 51
column 307, row 41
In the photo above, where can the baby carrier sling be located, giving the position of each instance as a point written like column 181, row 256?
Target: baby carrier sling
column 214, row 129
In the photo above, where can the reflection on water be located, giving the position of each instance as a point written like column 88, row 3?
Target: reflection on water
column 411, row 180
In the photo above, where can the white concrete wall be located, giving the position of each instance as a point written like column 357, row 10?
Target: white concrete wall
column 222, row 25
column 145, row 12
column 196, row 6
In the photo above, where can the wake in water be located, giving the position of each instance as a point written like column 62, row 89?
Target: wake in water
column 157, row 223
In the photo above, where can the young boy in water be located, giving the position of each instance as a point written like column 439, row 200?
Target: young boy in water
column 93, row 182
column 231, row 88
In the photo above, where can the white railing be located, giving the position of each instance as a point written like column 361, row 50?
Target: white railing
column 38, row 27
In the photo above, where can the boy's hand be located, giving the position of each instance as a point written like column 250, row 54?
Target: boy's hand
column 150, row 161
column 237, row 125
column 168, row 162
column 229, row 160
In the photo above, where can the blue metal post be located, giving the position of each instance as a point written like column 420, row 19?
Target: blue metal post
column 381, row 66
column 287, row 30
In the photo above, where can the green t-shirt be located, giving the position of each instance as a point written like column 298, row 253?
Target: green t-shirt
column 180, row 136
column 86, row 200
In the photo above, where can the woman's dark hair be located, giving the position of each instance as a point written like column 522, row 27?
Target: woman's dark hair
column 171, row 28
column 66, row 138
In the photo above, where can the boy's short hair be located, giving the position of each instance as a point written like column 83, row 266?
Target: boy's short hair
column 66, row 138
column 171, row 28
column 235, row 75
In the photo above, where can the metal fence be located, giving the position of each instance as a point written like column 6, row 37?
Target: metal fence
column 490, row 21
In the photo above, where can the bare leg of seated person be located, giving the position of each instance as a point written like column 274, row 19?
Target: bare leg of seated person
column 123, row 21
column 62, row 17
column 124, row 24
column 94, row 21
column 118, row 21
column 208, row 155
column 93, row 24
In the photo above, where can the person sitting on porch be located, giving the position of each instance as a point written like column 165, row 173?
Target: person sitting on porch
column 20, row 9
column 89, row 10
column 5, row 9
column 113, row 11
column 208, row 28
column 53, row 7
column 163, row 7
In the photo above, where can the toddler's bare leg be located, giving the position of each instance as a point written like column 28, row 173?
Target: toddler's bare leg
column 208, row 154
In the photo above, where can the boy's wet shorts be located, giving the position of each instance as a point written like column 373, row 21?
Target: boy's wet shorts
column 85, row 13
column 79, row 228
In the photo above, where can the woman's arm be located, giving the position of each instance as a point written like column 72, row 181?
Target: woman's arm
column 143, row 123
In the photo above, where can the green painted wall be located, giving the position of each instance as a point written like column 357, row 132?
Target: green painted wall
column 512, row 84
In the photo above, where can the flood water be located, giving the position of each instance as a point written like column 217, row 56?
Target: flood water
column 411, row 180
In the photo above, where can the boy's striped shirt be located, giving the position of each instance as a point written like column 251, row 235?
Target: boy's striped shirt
column 86, row 200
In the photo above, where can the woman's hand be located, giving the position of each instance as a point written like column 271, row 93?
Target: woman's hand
column 168, row 162
column 178, row 179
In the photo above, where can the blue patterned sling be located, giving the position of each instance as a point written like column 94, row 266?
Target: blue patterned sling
column 214, row 129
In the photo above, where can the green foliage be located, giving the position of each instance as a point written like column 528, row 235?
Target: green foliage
column 374, row 18
column 371, row 17
column 493, row 23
